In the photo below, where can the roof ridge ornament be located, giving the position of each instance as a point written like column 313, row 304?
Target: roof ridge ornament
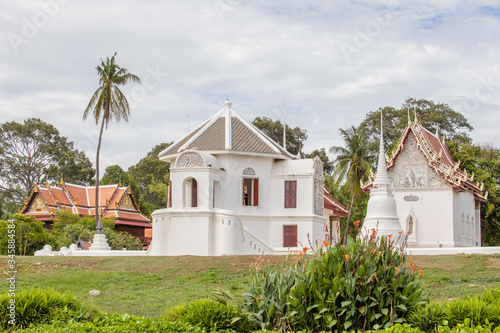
column 415, row 112
column 409, row 119
column 229, row 134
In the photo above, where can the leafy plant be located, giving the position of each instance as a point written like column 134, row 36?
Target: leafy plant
column 365, row 285
column 37, row 306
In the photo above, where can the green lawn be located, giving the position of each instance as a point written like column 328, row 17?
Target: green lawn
column 149, row 285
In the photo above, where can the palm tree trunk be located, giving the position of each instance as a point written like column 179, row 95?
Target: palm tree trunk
column 98, row 223
column 348, row 220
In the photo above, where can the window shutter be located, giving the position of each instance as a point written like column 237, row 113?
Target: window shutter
column 256, row 192
column 290, row 193
column 289, row 235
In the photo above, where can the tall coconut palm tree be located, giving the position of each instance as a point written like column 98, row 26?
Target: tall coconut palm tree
column 108, row 103
column 353, row 164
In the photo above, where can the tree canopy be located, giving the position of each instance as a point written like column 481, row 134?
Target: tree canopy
column 35, row 151
column 295, row 137
column 433, row 116
column 152, row 176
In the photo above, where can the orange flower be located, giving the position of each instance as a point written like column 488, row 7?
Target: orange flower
column 305, row 248
column 326, row 243
column 373, row 250
column 420, row 273
column 347, row 257
column 396, row 269
column 409, row 264
column 389, row 235
column 400, row 232
column 356, row 223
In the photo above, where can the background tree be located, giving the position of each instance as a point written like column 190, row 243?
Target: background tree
column 352, row 165
column 30, row 235
column 74, row 166
column 68, row 227
column 295, row 137
column 108, row 103
column 484, row 162
column 328, row 165
column 34, row 151
column 453, row 125
column 115, row 174
column 152, row 176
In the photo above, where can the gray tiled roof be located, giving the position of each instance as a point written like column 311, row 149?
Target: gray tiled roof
column 244, row 139
column 211, row 136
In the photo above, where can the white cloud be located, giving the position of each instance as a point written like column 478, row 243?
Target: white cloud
column 255, row 53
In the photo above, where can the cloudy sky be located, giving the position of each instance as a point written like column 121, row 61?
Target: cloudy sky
column 333, row 62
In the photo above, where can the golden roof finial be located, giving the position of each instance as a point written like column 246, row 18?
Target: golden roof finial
column 62, row 180
column 120, row 180
column 415, row 112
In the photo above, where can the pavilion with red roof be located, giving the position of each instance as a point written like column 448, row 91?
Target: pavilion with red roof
column 116, row 201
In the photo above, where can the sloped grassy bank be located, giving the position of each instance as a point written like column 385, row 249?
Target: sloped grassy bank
column 362, row 286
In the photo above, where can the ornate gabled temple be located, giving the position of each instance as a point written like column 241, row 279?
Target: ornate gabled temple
column 438, row 204
column 235, row 191
column 117, row 202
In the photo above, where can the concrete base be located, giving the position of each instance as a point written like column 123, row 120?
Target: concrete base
column 74, row 251
column 453, row 250
column 99, row 243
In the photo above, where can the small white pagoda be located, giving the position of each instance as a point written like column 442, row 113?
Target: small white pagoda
column 381, row 213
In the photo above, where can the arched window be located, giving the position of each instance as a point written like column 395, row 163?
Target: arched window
column 190, row 192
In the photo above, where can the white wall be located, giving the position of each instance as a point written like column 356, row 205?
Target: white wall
column 433, row 214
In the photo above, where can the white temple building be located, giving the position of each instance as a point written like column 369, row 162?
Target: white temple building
column 235, row 191
column 438, row 204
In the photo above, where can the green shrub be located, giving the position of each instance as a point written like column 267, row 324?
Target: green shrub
column 428, row 316
column 117, row 324
column 365, row 285
column 206, row 312
column 37, row 306
column 478, row 311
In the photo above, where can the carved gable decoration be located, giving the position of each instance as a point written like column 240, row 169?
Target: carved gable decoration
column 190, row 160
column 127, row 202
column 318, row 167
column 37, row 205
column 319, row 203
column 249, row 172
column 411, row 170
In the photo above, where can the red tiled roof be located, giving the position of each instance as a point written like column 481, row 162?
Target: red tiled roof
column 81, row 200
column 332, row 204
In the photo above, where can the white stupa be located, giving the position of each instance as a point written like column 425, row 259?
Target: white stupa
column 381, row 213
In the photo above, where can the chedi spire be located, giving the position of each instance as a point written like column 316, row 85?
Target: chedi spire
column 381, row 213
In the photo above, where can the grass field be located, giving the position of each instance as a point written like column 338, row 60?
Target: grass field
column 149, row 285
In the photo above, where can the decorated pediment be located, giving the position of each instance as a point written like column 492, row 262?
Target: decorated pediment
column 411, row 169
column 37, row 205
column 190, row 160
column 127, row 202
